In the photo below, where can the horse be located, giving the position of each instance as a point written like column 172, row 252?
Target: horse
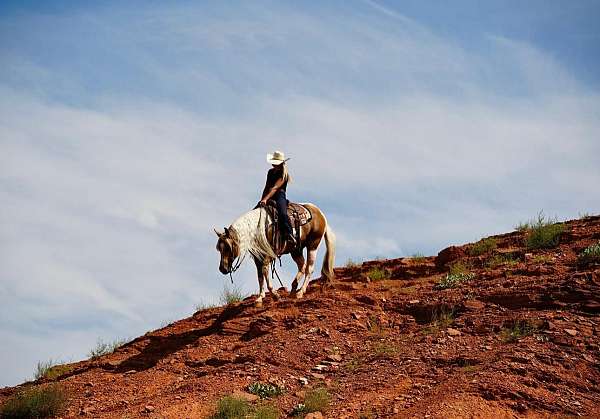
column 249, row 234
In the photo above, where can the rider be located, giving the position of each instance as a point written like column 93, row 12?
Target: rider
column 277, row 180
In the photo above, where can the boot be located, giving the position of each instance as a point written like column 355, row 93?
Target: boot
column 292, row 240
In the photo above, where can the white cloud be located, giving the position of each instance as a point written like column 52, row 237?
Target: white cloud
column 404, row 139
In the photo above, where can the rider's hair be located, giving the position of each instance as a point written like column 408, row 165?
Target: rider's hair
column 286, row 174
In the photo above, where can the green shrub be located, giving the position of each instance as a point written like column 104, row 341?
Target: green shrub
column 590, row 254
column 105, row 348
column 458, row 268
column 230, row 407
column 498, row 260
column 517, row 331
column 36, row 402
column 543, row 233
column 453, row 280
column 317, row 400
column 266, row 411
column 483, row 246
column 51, row 369
column 232, row 295
column 265, row 390
column 378, row 274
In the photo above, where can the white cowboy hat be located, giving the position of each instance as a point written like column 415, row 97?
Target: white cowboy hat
column 277, row 157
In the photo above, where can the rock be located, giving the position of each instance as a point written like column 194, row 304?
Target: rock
column 314, row 415
column 474, row 305
column 244, row 395
column 149, row 408
column 334, row 358
column 448, row 255
column 317, row 376
column 89, row 384
column 571, row 332
column 131, row 372
column 453, row 332
column 414, row 301
column 303, row 381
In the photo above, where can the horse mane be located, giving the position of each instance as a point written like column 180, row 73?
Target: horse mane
column 251, row 234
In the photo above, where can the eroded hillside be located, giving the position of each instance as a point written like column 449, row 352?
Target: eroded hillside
column 516, row 334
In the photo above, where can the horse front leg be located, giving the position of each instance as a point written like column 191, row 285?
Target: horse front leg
column 265, row 271
column 261, row 283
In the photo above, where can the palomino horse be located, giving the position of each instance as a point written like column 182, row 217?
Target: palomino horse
column 249, row 234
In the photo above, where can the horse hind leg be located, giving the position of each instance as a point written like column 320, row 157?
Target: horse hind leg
column 310, row 268
column 299, row 259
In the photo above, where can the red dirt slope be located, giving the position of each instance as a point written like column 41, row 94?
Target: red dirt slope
column 396, row 347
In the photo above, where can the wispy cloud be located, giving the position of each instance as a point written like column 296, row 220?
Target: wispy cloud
column 114, row 173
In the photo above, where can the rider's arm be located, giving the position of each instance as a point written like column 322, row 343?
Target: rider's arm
column 278, row 184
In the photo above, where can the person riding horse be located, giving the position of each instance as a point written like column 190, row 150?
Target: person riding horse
column 275, row 189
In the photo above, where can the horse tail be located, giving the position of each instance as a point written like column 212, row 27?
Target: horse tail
column 329, row 259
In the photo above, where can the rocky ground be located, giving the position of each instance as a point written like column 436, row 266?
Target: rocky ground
column 518, row 339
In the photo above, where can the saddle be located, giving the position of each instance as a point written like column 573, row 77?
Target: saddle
column 298, row 214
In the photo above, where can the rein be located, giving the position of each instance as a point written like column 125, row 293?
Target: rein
column 238, row 261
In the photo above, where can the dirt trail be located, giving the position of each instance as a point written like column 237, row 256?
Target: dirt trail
column 396, row 347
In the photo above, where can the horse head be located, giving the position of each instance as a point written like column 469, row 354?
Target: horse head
column 228, row 247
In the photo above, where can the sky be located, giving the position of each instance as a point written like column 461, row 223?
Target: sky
column 128, row 130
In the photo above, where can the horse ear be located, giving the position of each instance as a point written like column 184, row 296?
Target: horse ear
column 226, row 231
column 218, row 234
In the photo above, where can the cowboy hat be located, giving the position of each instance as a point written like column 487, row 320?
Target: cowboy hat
column 277, row 157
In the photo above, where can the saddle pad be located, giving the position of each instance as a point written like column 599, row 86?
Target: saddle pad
column 298, row 212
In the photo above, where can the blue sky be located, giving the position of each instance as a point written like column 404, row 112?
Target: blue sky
column 129, row 130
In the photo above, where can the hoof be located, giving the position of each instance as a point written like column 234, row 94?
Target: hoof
column 276, row 296
column 258, row 303
column 299, row 295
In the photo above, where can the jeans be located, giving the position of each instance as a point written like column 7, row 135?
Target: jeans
column 281, row 205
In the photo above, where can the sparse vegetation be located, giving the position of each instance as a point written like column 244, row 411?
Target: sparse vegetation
column 541, row 259
column 440, row 320
column 459, row 268
column 105, row 348
column 204, row 306
column 384, row 350
column 517, row 331
column 497, row 260
column 350, row 264
column 36, row 402
column 265, row 390
column 230, row 407
column 378, row 274
column 483, row 246
column 317, row 400
column 232, row 295
column 453, row 280
column 51, row 369
column 265, row 411
column 418, row 257
column 542, row 232
column 590, row 254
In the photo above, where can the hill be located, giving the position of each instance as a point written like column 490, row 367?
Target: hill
column 497, row 328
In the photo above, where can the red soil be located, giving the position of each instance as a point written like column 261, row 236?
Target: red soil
column 396, row 347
